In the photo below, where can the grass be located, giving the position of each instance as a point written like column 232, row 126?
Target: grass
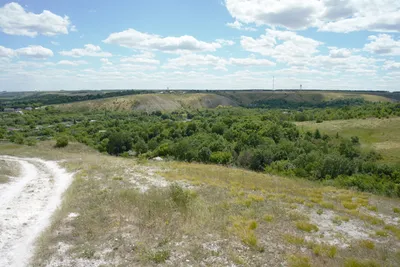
column 208, row 215
column 349, row 205
column 324, row 250
column 152, row 102
column 299, row 261
column 379, row 134
column 367, row 244
column 306, row 226
column 360, row 263
column 8, row 169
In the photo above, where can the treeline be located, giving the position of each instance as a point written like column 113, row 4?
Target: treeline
column 259, row 140
column 290, row 104
column 53, row 99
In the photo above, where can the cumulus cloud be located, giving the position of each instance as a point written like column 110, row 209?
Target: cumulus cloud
column 14, row 20
column 339, row 53
column 72, row 63
column 239, row 26
column 383, row 44
column 32, row 51
column 6, row 52
column 219, row 63
column 144, row 41
column 105, row 61
column 285, row 46
column 89, row 50
column 326, row 15
column 144, row 58
column 224, row 42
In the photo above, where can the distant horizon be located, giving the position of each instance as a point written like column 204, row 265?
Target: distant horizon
column 204, row 89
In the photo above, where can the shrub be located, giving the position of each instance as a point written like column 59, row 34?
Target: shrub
column 62, row 141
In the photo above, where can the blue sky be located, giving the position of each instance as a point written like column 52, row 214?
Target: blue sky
column 208, row 44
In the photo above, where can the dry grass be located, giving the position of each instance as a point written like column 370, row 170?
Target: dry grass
column 208, row 216
column 152, row 102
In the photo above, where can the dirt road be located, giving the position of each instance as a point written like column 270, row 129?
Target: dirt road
column 26, row 205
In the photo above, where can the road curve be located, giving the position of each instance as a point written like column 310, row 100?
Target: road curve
column 26, row 205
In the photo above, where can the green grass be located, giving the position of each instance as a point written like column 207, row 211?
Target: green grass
column 306, row 226
column 379, row 134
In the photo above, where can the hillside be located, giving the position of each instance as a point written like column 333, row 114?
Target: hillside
column 153, row 102
column 295, row 96
column 379, row 134
column 188, row 100
column 124, row 212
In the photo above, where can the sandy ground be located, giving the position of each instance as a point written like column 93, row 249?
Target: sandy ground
column 26, row 205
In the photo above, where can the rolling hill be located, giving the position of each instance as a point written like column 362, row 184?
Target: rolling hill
column 187, row 100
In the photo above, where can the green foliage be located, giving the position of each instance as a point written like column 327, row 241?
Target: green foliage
column 260, row 140
column 61, row 141
column 118, row 143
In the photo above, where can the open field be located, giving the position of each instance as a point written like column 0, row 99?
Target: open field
column 124, row 212
column 153, row 102
column 380, row 134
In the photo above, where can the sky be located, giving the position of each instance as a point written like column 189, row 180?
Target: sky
column 199, row 44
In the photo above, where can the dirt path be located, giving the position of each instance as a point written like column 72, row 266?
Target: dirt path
column 26, row 205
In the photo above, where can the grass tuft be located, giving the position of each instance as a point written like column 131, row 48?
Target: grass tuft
column 299, row 261
column 306, row 226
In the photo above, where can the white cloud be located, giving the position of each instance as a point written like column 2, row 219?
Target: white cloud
column 54, row 43
column 339, row 53
column 251, row 61
column 73, row 28
column 144, row 58
column 195, row 60
column 391, row 65
column 89, row 51
column 383, row 44
column 144, row 41
column 14, row 20
column 6, row 52
column 219, row 63
column 239, row 26
column 34, row 51
column 224, row 42
column 72, row 63
column 326, row 15
column 105, row 61
column 285, row 46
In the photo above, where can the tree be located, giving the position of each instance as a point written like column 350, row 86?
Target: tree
column 118, row 143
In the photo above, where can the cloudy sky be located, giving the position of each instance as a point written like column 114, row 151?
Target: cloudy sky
column 199, row 44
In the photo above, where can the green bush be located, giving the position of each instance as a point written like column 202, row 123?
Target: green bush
column 221, row 157
column 62, row 141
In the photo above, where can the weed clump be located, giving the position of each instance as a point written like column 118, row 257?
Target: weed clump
column 299, row 261
column 306, row 226
column 360, row 263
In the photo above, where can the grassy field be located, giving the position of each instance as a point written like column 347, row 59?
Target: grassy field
column 125, row 212
column 153, row 102
column 380, row 134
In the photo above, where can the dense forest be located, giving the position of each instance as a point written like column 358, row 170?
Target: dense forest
column 257, row 139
